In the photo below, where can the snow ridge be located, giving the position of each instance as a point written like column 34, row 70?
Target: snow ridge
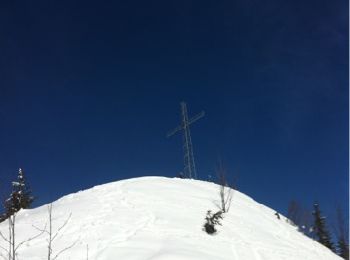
column 158, row 218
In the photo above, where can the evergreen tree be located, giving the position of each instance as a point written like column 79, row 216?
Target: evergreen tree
column 342, row 233
column 343, row 248
column 211, row 221
column 20, row 197
column 320, row 229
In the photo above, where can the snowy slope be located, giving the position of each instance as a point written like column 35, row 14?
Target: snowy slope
column 156, row 218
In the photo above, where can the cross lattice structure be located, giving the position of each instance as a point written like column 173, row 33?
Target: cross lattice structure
column 189, row 164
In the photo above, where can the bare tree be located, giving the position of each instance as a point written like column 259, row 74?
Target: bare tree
column 53, row 235
column 225, row 194
column 226, row 190
column 11, row 239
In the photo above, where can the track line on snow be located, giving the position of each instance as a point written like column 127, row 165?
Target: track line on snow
column 146, row 218
column 147, row 221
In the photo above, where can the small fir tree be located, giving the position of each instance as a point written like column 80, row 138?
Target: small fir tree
column 342, row 233
column 343, row 248
column 320, row 228
column 20, row 197
column 211, row 220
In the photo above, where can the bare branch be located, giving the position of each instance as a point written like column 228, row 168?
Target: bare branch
column 61, row 227
column 7, row 251
column 226, row 192
column 3, row 237
column 64, row 249
column 41, row 230
column 52, row 237
column 29, row 239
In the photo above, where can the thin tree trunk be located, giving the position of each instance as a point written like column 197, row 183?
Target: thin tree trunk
column 50, row 233
column 13, row 237
column 10, row 238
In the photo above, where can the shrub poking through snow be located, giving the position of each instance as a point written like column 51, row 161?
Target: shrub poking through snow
column 277, row 215
column 211, row 220
column 226, row 192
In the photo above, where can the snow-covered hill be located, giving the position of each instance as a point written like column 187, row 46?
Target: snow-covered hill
column 156, row 218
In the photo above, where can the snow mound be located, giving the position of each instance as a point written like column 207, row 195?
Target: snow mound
column 157, row 218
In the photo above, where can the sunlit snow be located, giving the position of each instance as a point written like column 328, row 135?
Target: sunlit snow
column 157, row 218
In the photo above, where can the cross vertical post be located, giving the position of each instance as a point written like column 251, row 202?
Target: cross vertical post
column 189, row 164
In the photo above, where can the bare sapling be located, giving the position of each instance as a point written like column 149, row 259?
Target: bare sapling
column 13, row 246
column 225, row 190
column 53, row 235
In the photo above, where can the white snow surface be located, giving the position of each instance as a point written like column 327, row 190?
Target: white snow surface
column 158, row 218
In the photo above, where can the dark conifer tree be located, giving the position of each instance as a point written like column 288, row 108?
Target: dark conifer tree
column 211, row 221
column 320, row 228
column 342, row 233
column 20, row 197
column 343, row 248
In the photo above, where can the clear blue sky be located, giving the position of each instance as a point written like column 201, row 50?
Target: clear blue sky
column 89, row 89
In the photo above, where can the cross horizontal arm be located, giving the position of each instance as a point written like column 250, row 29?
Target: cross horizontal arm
column 174, row 131
column 196, row 117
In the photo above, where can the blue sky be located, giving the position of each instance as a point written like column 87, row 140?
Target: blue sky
column 88, row 92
